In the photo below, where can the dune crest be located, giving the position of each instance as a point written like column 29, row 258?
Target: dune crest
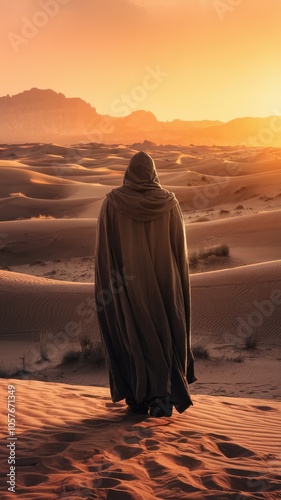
column 73, row 442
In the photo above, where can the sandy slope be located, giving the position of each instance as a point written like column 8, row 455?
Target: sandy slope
column 233, row 304
column 72, row 442
column 251, row 238
column 29, row 241
column 38, row 311
column 226, row 311
column 202, row 178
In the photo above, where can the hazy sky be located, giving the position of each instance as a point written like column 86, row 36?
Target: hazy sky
column 188, row 59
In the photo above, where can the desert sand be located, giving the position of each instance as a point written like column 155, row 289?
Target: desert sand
column 72, row 441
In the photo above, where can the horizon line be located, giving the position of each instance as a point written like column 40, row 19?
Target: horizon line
column 143, row 110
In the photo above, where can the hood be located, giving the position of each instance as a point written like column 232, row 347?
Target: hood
column 141, row 197
column 141, row 173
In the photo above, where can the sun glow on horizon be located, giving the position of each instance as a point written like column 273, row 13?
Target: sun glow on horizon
column 185, row 60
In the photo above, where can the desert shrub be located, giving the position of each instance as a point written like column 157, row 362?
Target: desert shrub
column 238, row 359
column 202, row 219
column 251, row 342
column 91, row 350
column 46, row 339
column 200, row 352
column 42, row 216
column 8, row 372
column 71, row 356
column 17, row 195
column 221, row 250
column 193, row 259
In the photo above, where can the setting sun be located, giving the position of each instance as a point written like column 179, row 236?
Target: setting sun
column 221, row 59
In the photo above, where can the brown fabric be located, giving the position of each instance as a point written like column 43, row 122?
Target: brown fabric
column 142, row 289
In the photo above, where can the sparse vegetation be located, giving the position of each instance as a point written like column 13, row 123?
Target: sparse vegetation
column 71, row 356
column 239, row 207
column 238, row 359
column 251, row 342
column 242, row 188
column 92, row 351
column 18, row 195
column 201, row 219
column 42, row 216
column 8, row 372
column 221, row 250
column 45, row 340
column 223, row 211
column 200, row 352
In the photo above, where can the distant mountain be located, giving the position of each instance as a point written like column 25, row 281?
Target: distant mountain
column 46, row 116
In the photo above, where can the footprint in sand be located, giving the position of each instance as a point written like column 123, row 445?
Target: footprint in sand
column 232, row 450
column 105, row 482
column 118, row 474
column 53, row 448
column 126, row 452
column 188, row 462
column 60, row 463
column 154, row 469
column 251, row 484
column 152, row 444
column 68, row 437
column 219, row 436
column 120, row 494
column 34, row 479
column 264, row 408
column 28, row 461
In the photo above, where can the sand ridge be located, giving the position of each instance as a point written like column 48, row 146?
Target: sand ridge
column 73, row 441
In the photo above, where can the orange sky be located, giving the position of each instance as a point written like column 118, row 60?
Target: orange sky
column 188, row 59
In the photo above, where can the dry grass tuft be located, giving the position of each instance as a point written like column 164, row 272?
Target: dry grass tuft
column 17, row 195
column 221, row 250
column 200, row 352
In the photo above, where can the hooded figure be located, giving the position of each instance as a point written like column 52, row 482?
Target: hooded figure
column 142, row 293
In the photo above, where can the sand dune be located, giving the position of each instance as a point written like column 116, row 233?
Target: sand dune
column 74, row 443
column 32, row 207
column 243, row 235
column 202, row 178
column 231, row 304
column 226, row 308
column 29, row 241
column 51, row 312
column 231, row 191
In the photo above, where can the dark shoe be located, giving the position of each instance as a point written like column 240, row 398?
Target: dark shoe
column 137, row 408
column 160, row 407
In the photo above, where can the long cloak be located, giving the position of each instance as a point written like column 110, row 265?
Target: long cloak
column 142, row 289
